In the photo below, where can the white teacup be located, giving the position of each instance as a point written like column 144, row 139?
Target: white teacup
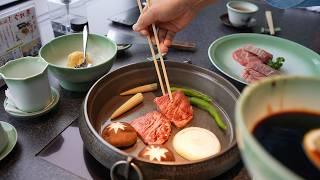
column 3, row 139
column 28, row 84
column 240, row 12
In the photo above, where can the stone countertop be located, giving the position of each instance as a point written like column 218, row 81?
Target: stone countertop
column 22, row 163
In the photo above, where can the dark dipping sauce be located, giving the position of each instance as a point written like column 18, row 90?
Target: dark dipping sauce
column 282, row 136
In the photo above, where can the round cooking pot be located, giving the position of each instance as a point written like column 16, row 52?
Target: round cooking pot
column 103, row 98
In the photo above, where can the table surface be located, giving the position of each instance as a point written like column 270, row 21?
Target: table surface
column 33, row 135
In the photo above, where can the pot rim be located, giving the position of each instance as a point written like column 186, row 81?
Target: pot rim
column 95, row 133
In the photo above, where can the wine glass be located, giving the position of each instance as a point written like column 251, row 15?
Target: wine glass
column 67, row 4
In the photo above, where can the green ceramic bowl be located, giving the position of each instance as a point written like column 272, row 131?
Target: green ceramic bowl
column 277, row 94
column 101, row 50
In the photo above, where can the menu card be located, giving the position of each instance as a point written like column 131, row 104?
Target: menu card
column 19, row 33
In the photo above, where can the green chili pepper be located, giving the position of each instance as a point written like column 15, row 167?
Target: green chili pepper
column 192, row 93
column 204, row 105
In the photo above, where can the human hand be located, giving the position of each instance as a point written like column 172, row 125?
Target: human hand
column 170, row 16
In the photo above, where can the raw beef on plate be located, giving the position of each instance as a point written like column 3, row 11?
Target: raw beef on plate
column 249, row 53
column 263, row 55
column 262, row 68
column 256, row 70
column 179, row 111
column 244, row 57
column 251, row 75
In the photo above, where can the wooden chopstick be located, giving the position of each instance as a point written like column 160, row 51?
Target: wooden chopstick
column 160, row 55
column 270, row 22
column 153, row 54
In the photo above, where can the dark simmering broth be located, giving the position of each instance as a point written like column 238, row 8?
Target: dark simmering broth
column 282, row 136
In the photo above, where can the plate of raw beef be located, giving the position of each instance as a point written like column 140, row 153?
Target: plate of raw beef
column 245, row 57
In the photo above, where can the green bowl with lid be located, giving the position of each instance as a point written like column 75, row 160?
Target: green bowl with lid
column 262, row 99
column 101, row 50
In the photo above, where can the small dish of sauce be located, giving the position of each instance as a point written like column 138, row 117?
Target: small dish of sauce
column 282, row 136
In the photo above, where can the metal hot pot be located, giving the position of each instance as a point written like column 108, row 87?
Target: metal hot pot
column 103, row 98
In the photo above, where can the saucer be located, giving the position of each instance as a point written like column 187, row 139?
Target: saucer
column 225, row 20
column 123, row 47
column 28, row 115
column 12, row 139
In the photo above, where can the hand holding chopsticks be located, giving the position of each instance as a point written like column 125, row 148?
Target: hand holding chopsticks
column 154, row 56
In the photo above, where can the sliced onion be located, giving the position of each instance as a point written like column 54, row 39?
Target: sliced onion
column 196, row 143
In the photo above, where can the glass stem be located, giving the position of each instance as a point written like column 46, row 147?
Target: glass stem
column 68, row 19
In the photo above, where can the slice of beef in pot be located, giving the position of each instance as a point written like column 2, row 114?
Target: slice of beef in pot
column 256, row 70
column 179, row 111
column 152, row 128
column 243, row 57
column 263, row 55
